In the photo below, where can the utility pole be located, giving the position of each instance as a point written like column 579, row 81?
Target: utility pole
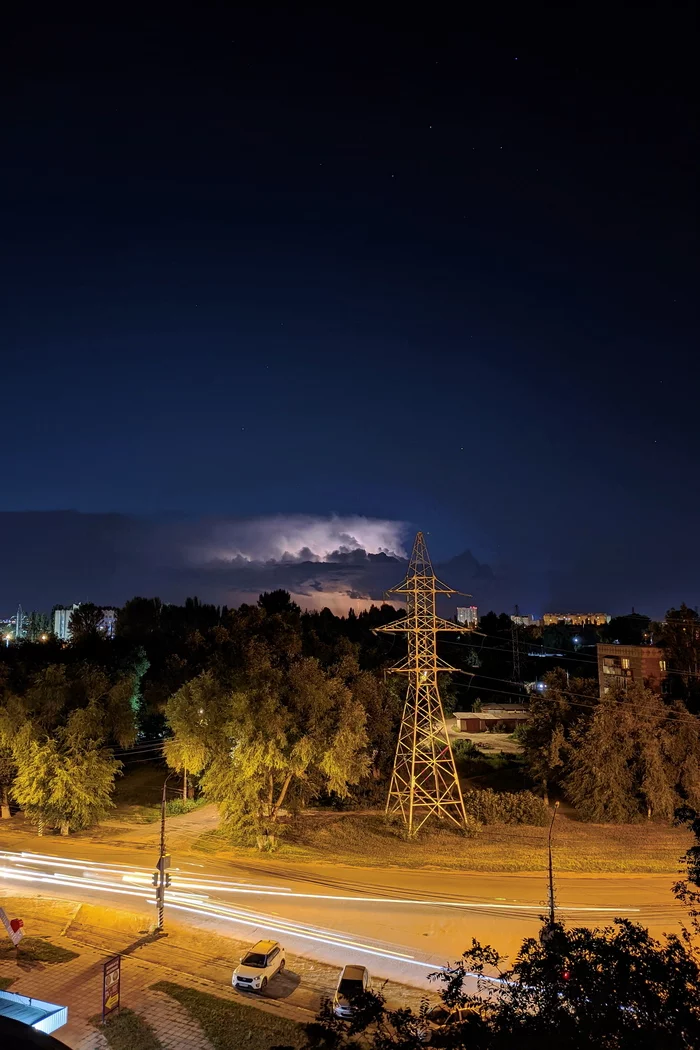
column 161, row 878
column 424, row 782
column 515, row 644
column 552, row 918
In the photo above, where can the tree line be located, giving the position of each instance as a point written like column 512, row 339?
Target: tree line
column 270, row 708
column 620, row 757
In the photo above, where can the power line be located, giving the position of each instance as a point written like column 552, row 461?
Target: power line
column 591, row 705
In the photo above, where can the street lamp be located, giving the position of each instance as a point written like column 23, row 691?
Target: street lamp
column 163, row 862
column 551, row 874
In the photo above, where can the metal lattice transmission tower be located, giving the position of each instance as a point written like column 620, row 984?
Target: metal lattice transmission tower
column 424, row 782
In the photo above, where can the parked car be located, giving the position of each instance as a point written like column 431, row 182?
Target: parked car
column 259, row 965
column 353, row 980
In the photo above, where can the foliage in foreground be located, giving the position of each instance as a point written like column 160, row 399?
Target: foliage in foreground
column 615, row 988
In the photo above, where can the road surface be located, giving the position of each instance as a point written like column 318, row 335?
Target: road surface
column 401, row 923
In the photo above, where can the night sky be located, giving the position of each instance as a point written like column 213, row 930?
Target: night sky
column 281, row 284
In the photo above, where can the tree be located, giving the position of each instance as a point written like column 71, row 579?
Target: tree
column 7, row 765
column 617, row 988
column 635, row 757
column 679, row 635
column 630, row 629
column 53, row 743
column 278, row 602
column 140, row 619
column 275, row 741
column 65, row 779
column 545, row 735
column 37, row 626
column 196, row 714
column 85, row 622
column 7, row 776
column 382, row 702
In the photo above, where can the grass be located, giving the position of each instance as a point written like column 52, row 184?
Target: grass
column 229, row 1025
column 5, row 983
column 37, row 949
column 127, row 1031
column 366, row 840
column 137, row 796
column 500, row 770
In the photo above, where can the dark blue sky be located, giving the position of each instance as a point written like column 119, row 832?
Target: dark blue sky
column 294, row 262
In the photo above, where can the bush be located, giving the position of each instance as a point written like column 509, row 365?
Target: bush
column 463, row 749
column 177, row 806
column 490, row 807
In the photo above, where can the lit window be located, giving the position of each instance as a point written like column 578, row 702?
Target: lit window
column 625, row 663
column 662, row 665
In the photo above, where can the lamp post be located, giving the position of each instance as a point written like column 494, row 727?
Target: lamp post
column 551, row 873
column 163, row 863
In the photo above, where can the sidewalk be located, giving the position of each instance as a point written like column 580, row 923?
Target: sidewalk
column 77, row 984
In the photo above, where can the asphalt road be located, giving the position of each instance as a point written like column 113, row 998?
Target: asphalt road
column 401, row 923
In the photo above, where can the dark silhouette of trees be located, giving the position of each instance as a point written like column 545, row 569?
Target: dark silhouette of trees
column 630, row 629
column 554, row 713
column 636, row 757
column 679, row 635
column 85, row 622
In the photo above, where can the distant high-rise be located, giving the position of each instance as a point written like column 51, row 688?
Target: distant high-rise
column 468, row 615
column 61, row 621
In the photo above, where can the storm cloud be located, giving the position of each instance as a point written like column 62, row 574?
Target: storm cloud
column 57, row 557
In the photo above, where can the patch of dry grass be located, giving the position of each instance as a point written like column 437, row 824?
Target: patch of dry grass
column 229, row 1024
column 368, row 840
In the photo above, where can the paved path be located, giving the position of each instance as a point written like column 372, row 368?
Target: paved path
column 78, row 984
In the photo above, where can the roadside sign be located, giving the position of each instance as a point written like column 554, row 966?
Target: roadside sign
column 13, row 927
column 111, row 981
column 163, row 863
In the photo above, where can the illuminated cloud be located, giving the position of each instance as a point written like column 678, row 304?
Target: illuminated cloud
column 293, row 538
column 57, row 557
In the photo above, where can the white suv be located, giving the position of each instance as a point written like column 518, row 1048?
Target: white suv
column 353, row 980
column 259, row 965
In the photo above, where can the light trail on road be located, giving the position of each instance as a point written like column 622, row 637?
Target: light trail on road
column 101, row 880
column 139, row 876
column 312, row 924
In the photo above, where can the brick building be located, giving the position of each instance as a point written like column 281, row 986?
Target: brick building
column 626, row 664
column 509, row 716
